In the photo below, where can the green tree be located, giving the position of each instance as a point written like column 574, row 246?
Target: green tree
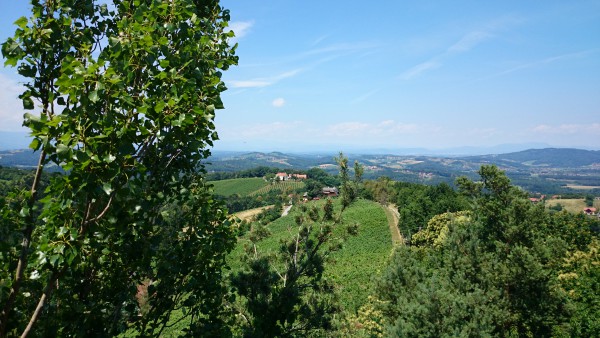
column 346, row 191
column 124, row 99
column 328, row 210
column 359, row 170
column 589, row 200
column 285, row 294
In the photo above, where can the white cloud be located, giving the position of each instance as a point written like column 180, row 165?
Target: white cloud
column 240, row 28
column 278, row 102
column 11, row 107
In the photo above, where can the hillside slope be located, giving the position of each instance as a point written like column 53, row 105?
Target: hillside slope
column 361, row 257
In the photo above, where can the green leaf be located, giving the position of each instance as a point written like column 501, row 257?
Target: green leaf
column 21, row 22
column 109, row 158
column 62, row 149
column 93, row 96
column 27, row 103
column 35, row 144
column 107, row 187
column 24, row 211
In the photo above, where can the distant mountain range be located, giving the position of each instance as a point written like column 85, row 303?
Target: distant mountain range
column 231, row 161
column 549, row 157
column 549, row 170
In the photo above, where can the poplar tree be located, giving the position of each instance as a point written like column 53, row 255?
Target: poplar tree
column 122, row 97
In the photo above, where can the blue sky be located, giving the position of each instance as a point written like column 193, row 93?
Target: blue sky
column 326, row 75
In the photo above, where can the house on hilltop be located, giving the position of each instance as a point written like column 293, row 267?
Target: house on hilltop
column 589, row 211
column 283, row 176
column 330, row 192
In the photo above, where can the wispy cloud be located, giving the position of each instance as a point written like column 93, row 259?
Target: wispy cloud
column 340, row 47
column 465, row 44
column 320, row 39
column 469, row 41
column 263, row 81
column 546, row 61
column 420, row 68
column 240, row 28
column 363, row 97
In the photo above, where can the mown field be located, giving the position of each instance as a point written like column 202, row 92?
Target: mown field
column 252, row 186
column 353, row 267
column 574, row 205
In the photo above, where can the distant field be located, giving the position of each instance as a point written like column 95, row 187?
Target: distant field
column 582, row 187
column 240, row 186
column 574, row 205
column 361, row 258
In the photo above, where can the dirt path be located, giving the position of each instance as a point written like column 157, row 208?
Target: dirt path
column 247, row 215
column 393, row 217
column 286, row 210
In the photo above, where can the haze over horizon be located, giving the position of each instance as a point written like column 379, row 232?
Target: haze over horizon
column 429, row 75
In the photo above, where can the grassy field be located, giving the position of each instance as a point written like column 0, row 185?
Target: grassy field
column 361, row 257
column 240, row 186
column 582, row 187
column 574, row 205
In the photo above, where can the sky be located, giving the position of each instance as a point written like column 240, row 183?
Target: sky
column 337, row 75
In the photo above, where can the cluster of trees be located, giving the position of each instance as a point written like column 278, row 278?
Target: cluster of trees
column 502, row 267
column 416, row 203
column 261, row 171
column 237, row 203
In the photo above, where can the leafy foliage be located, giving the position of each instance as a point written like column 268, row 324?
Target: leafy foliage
column 125, row 98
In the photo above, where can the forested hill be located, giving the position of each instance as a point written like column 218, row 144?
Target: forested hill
column 549, row 157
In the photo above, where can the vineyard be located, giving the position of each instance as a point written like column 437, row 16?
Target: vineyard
column 253, row 186
column 285, row 186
